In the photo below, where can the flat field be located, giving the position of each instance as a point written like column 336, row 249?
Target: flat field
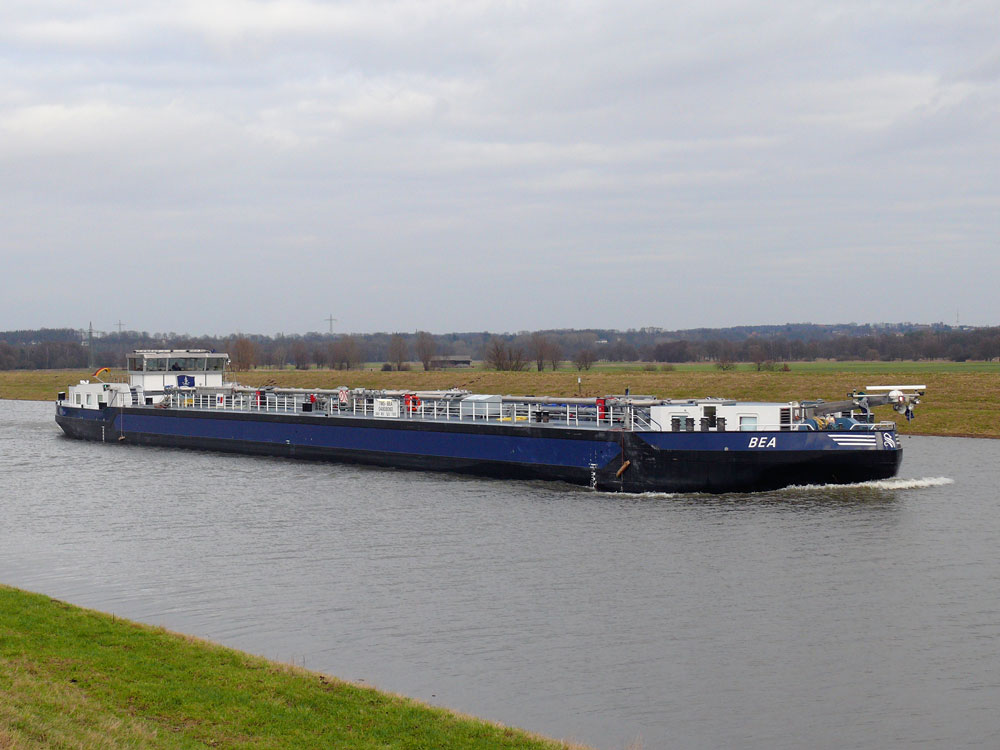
column 819, row 366
column 963, row 399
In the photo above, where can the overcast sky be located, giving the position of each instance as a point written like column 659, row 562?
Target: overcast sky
column 217, row 166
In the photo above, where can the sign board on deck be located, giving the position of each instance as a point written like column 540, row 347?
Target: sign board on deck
column 386, row 407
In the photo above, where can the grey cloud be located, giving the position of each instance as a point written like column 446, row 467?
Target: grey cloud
column 497, row 165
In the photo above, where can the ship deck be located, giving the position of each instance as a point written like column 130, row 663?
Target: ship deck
column 549, row 418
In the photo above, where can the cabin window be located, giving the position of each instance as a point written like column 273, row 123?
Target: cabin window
column 709, row 414
column 90, row 399
column 187, row 364
column 748, row 424
column 77, row 399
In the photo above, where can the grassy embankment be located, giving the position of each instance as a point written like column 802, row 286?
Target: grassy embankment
column 74, row 678
column 962, row 398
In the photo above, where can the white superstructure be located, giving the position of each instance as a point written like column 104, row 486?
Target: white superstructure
column 162, row 369
column 152, row 373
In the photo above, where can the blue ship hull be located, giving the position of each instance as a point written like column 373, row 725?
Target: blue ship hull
column 608, row 459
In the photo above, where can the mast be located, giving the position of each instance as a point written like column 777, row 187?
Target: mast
column 90, row 346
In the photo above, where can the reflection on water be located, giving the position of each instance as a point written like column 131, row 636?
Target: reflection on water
column 858, row 616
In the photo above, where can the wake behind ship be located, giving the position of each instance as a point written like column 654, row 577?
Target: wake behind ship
column 179, row 398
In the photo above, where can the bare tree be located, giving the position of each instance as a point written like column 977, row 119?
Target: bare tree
column 584, row 359
column 495, row 356
column 319, row 356
column 622, row 351
column 517, row 360
column 243, row 354
column 502, row 356
column 399, row 351
column 758, row 355
column 299, row 354
column 554, row 355
column 425, row 348
column 345, row 353
column 279, row 357
column 540, row 345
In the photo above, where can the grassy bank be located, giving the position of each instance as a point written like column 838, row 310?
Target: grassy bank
column 74, row 678
column 962, row 398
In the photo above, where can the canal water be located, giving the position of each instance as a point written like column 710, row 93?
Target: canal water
column 824, row 617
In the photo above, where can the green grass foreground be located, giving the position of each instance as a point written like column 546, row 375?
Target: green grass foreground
column 75, row 678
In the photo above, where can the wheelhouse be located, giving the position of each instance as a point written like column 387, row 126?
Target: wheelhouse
column 152, row 373
column 162, row 369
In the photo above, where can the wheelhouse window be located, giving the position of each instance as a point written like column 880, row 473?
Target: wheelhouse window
column 135, row 364
column 156, row 364
column 216, row 364
column 187, row 364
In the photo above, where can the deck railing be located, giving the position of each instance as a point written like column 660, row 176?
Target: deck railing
column 624, row 417
column 437, row 409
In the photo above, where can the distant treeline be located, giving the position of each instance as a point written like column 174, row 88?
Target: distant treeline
column 69, row 348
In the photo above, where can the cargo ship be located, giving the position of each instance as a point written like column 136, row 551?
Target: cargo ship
column 181, row 399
